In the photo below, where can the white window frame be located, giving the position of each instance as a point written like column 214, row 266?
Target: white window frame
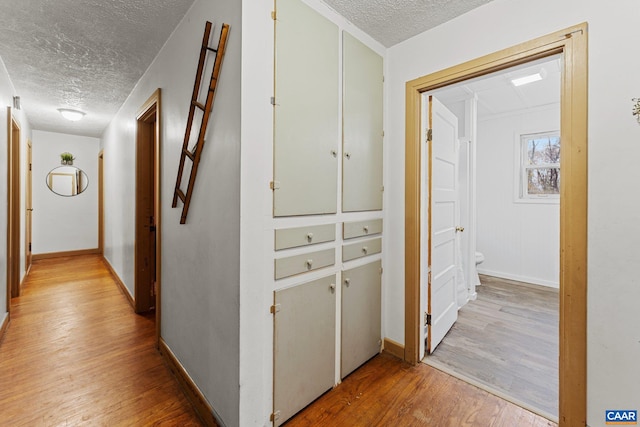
column 522, row 195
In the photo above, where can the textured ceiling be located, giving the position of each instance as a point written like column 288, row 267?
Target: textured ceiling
column 81, row 54
column 393, row 21
column 89, row 54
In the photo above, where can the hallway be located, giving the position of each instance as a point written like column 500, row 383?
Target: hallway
column 76, row 354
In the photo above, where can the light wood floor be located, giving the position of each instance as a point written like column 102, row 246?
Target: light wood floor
column 388, row 392
column 507, row 340
column 76, row 354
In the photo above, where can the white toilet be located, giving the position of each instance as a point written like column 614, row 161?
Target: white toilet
column 479, row 260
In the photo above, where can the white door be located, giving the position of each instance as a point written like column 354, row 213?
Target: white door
column 442, row 218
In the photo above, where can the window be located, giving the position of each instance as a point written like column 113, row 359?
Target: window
column 540, row 166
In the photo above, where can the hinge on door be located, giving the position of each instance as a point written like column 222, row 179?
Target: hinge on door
column 273, row 15
column 274, row 416
column 381, row 271
column 429, row 135
column 29, row 166
column 427, row 319
column 274, row 185
column 274, row 308
column 29, row 246
column 273, row 100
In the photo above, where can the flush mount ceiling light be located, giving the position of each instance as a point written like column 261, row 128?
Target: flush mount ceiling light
column 520, row 81
column 73, row 115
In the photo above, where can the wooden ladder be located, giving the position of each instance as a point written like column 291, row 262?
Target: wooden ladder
column 196, row 152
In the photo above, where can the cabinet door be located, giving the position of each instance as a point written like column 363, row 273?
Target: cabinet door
column 361, row 315
column 362, row 136
column 306, row 111
column 304, row 345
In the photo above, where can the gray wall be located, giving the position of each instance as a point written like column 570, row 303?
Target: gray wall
column 200, row 260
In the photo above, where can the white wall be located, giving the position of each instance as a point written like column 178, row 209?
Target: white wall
column 520, row 240
column 6, row 93
column 257, row 254
column 64, row 223
column 200, row 260
column 614, row 230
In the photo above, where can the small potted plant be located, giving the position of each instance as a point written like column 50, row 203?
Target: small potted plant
column 66, row 158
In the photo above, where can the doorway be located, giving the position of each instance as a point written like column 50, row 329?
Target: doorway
column 512, row 134
column 147, row 242
column 29, row 209
column 13, row 209
column 571, row 44
column 101, row 202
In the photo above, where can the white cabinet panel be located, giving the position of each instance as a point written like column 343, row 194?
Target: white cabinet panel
column 361, row 228
column 362, row 133
column 304, row 345
column 303, row 236
column 290, row 266
column 306, row 111
column 361, row 315
column 361, row 249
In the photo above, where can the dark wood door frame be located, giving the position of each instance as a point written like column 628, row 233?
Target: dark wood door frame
column 13, row 208
column 571, row 43
column 101, row 202
column 147, row 243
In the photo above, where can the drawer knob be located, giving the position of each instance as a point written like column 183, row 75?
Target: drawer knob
column 309, row 237
column 309, row 264
column 365, row 229
column 364, row 250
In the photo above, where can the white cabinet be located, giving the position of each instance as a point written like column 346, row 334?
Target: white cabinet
column 306, row 134
column 286, row 238
column 361, row 315
column 362, row 127
column 304, row 345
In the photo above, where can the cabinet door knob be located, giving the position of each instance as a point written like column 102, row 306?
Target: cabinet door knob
column 347, row 282
column 459, row 229
column 334, row 153
column 332, row 288
column 347, row 155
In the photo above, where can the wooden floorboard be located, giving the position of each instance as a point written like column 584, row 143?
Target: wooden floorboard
column 388, row 392
column 507, row 340
column 76, row 354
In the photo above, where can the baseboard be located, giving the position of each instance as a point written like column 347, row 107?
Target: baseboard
column 394, row 348
column 119, row 282
column 524, row 279
column 4, row 326
column 65, row 254
column 191, row 390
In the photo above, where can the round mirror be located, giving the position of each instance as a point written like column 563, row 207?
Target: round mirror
column 67, row 181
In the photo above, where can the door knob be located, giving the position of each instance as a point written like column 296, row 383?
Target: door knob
column 460, row 229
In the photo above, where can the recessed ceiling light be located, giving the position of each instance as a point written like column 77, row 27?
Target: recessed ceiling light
column 73, row 115
column 527, row 79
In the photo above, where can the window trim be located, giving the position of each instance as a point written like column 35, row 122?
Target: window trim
column 520, row 179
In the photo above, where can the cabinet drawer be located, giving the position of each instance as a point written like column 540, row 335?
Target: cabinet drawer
column 361, row 228
column 361, row 249
column 289, row 266
column 302, row 236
